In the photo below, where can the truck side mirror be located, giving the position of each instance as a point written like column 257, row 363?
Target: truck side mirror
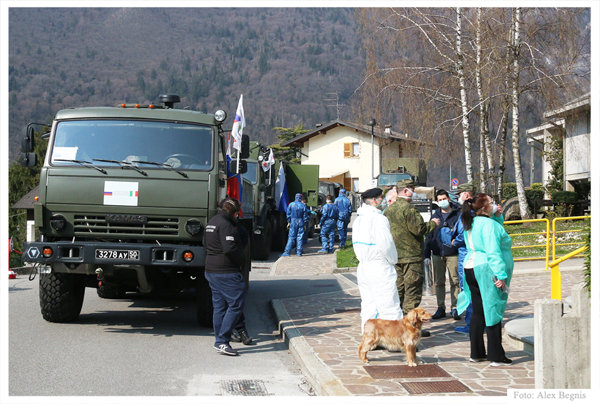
column 28, row 159
column 245, row 152
column 27, row 143
column 234, row 168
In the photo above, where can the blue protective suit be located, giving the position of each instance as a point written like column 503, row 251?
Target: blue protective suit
column 295, row 217
column 345, row 213
column 329, row 218
column 306, row 223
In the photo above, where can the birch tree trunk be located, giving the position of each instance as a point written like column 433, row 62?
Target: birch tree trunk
column 482, row 106
column 460, row 65
column 515, row 116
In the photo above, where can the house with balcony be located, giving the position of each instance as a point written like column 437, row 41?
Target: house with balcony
column 352, row 154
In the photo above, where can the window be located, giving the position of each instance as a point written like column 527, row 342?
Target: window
column 351, row 150
column 354, row 184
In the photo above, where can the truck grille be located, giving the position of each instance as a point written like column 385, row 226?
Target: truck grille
column 97, row 225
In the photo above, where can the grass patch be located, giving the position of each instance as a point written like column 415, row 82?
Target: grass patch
column 346, row 257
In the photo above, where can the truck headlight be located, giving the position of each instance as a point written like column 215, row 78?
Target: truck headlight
column 58, row 222
column 220, row 115
column 193, row 227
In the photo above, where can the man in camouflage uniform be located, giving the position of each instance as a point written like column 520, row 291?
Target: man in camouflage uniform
column 408, row 230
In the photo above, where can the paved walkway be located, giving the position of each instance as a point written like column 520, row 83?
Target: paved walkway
column 323, row 333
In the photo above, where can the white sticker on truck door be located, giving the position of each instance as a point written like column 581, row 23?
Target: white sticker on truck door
column 121, row 193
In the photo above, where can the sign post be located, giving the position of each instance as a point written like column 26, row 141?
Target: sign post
column 454, row 183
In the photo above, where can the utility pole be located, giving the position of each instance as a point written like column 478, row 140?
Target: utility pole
column 334, row 97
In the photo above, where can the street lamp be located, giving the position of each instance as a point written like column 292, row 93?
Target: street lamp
column 372, row 124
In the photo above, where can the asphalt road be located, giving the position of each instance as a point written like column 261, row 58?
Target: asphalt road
column 152, row 346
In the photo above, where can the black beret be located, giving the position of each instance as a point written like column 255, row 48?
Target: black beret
column 372, row 193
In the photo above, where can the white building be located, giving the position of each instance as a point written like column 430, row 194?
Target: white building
column 347, row 153
column 572, row 124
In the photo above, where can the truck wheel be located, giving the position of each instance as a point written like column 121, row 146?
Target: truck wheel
column 61, row 296
column 204, row 305
column 111, row 292
column 261, row 243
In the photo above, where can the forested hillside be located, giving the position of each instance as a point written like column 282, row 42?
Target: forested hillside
column 286, row 62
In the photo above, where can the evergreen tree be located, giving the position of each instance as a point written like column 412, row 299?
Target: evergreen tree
column 287, row 154
column 21, row 180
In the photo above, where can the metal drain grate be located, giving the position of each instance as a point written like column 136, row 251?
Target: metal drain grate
column 453, row 386
column 405, row 372
column 243, row 388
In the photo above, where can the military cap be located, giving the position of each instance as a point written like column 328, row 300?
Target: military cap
column 372, row 193
column 466, row 187
column 405, row 184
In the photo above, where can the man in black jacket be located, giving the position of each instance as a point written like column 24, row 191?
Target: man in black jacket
column 443, row 256
column 225, row 241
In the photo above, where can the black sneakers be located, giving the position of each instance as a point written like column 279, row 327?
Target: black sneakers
column 440, row 313
column 225, row 349
column 243, row 337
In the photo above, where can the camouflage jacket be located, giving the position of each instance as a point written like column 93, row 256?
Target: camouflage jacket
column 408, row 230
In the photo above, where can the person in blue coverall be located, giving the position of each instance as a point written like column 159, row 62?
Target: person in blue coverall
column 329, row 217
column 345, row 212
column 306, row 221
column 295, row 217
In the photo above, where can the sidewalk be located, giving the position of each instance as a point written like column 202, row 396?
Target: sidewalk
column 323, row 334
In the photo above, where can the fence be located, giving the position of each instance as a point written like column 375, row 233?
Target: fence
column 550, row 236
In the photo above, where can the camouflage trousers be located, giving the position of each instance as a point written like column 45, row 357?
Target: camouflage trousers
column 410, row 284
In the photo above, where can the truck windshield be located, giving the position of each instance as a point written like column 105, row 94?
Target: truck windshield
column 251, row 174
column 392, row 179
column 180, row 145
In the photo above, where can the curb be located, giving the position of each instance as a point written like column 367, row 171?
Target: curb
column 321, row 379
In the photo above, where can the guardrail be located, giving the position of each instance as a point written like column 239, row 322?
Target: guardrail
column 554, row 232
column 546, row 245
column 555, row 277
column 550, row 236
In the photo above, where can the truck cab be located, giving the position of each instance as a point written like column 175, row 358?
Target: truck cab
column 125, row 194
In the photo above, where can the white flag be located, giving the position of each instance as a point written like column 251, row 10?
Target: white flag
column 238, row 125
column 268, row 162
column 271, row 158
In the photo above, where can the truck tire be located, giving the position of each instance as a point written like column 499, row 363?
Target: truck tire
column 111, row 292
column 261, row 243
column 511, row 209
column 311, row 227
column 61, row 296
column 204, row 305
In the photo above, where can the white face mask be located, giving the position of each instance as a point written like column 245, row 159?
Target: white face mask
column 444, row 204
column 494, row 208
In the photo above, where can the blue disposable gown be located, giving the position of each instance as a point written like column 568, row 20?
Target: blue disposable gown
column 489, row 253
column 295, row 217
column 329, row 217
column 376, row 273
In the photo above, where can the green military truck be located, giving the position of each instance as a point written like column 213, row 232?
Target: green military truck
column 125, row 194
column 260, row 213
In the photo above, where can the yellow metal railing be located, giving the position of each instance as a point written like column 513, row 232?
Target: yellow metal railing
column 555, row 232
column 555, row 278
column 546, row 233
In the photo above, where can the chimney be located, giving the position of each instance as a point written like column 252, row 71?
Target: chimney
column 388, row 129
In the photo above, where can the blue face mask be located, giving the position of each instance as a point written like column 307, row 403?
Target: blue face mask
column 444, row 204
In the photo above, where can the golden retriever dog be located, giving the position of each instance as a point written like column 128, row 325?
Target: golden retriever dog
column 394, row 335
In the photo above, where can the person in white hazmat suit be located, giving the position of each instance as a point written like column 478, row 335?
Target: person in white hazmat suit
column 376, row 252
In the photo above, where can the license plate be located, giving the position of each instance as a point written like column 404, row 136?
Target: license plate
column 129, row 255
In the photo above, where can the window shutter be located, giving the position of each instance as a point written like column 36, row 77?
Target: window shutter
column 347, row 150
